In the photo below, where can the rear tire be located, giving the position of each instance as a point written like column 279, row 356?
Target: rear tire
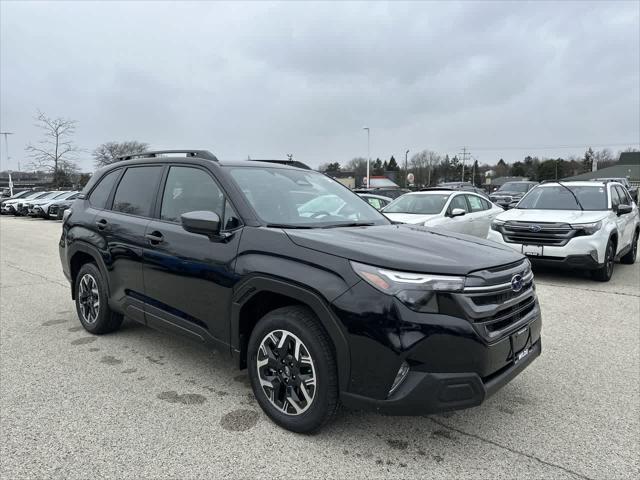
column 293, row 370
column 630, row 257
column 604, row 273
column 92, row 302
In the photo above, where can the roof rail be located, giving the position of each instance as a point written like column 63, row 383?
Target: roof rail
column 189, row 153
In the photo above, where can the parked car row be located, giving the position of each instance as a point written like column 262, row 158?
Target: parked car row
column 43, row 204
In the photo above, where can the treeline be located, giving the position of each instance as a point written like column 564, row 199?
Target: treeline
column 430, row 168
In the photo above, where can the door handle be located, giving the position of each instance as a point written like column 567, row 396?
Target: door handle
column 102, row 224
column 154, row 237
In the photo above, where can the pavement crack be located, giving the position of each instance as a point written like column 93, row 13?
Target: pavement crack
column 512, row 450
column 13, row 265
column 588, row 289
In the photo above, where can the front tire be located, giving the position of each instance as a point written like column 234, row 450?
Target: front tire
column 604, row 273
column 293, row 370
column 630, row 257
column 92, row 302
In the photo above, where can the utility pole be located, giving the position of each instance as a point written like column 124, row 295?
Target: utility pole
column 406, row 170
column 368, row 155
column 464, row 154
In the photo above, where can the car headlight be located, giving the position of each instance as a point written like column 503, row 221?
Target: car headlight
column 418, row 291
column 497, row 224
column 587, row 228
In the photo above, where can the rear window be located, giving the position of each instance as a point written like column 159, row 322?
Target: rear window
column 136, row 191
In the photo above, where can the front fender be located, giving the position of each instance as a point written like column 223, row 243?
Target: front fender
column 260, row 283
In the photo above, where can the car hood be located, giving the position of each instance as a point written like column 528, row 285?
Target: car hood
column 411, row 218
column 556, row 216
column 407, row 247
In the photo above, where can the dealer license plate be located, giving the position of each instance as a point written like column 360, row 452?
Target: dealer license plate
column 522, row 355
column 533, row 250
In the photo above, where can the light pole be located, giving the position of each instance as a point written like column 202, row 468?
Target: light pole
column 6, row 144
column 406, row 169
column 368, row 154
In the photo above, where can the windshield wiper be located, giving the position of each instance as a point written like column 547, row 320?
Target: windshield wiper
column 574, row 195
column 287, row 225
column 349, row 224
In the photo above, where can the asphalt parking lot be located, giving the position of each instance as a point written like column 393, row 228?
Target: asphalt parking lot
column 139, row 404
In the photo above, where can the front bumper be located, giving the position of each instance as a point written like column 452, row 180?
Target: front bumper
column 425, row 393
column 457, row 357
column 586, row 251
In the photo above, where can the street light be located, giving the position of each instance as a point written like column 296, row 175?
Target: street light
column 6, row 144
column 368, row 154
column 406, row 170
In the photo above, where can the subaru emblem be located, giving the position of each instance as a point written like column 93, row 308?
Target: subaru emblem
column 516, row 283
column 535, row 228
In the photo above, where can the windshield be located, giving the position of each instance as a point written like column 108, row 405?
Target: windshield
column 419, row 204
column 514, row 187
column 305, row 199
column 559, row 198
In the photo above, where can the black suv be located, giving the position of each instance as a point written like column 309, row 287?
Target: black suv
column 303, row 283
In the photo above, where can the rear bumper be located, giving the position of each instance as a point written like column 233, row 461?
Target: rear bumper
column 425, row 393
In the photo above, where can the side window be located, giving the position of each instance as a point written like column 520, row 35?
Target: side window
column 136, row 191
column 190, row 189
column 475, row 203
column 375, row 203
column 624, row 195
column 615, row 198
column 231, row 219
column 100, row 194
column 458, row 202
column 486, row 203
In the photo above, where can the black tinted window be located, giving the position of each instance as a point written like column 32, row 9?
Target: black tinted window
column 100, row 194
column 136, row 191
column 189, row 190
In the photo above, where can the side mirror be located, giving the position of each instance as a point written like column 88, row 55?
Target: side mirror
column 81, row 196
column 457, row 212
column 624, row 209
column 203, row 222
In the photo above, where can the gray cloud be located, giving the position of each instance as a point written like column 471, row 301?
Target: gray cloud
column 266, row 79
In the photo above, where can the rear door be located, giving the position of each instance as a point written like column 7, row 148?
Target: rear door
column 481, row 214
column 122, row 225
column 188, row 277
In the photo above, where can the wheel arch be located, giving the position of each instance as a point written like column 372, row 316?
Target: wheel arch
column 262, row 294
column 82, row 253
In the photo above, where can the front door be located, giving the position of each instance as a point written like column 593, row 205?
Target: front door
column 461, row 223
column 188, row 277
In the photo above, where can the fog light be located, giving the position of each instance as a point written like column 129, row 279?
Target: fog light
column 594, row 254
column 402, row 374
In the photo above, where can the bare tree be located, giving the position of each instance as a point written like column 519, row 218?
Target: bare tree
column 55, row 153
column 110, row 152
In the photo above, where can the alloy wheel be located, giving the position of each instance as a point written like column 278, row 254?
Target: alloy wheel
column 89, row 298
column 286, row 372
column 609, row 260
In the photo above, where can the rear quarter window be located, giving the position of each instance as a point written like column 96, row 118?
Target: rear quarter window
column 100, row 194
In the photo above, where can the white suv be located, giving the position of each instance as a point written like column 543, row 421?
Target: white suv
column 584, row 225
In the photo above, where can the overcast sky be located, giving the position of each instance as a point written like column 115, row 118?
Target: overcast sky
column 267, row 79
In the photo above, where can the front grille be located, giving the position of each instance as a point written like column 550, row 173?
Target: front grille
column 530, row 233
column 508, row 316
column 490, row 303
